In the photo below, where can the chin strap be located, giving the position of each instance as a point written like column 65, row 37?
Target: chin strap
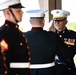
column 13, row 16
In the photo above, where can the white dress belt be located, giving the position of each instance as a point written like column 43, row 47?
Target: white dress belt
column 19, row 65
column 35, row 66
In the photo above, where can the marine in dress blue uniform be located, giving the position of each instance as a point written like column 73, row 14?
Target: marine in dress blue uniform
column 14, row 50
column 43, row 45
column 69, row 38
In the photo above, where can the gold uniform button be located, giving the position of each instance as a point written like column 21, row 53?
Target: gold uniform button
column 29, row 59
column 16, row 26
column 28, row 47
column 29, row 53
column 21, row 44
column 68, row 46
column 23, row 35
column 4, row 58
column 26, row 40
column 60, row 36
column 5, row 72
column 6, row 25
column 68, row 68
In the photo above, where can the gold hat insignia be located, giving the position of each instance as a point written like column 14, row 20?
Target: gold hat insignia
column 57, row 12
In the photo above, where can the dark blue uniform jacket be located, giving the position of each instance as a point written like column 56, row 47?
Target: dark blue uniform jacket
column 44, row 45
column 17, row 51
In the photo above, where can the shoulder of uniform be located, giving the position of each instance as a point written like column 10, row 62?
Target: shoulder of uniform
column 52, row 33
column 71, row 31
column 4, row 27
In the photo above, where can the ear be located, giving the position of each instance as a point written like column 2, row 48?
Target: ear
column 66, row 22
column 43, row 20
column 7, row 12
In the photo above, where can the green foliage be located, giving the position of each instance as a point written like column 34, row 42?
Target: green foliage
column 71, row 26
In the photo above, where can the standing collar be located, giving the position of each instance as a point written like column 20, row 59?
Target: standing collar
column 37, row 28
column 57, row 31
column 9, row 23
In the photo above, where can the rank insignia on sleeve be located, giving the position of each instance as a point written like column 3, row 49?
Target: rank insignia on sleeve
column 4, row 45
